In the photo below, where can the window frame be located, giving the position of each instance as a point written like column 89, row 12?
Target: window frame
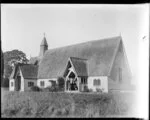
column 83, row 80
column 30, row 84
column 97, row 82
column 42, row 83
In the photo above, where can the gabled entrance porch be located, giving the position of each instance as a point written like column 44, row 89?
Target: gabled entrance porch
column 71, row 83
column 75, row 75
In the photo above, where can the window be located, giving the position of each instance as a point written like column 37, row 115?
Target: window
column 83, row 81
column 42, row 83
column 30, row 84
column 12, row 83
column 96, row 82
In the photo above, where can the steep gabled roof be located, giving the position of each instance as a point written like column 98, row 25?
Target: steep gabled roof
column 99, row 54
column 13, row 72
column 29, row 71
column 80, row 66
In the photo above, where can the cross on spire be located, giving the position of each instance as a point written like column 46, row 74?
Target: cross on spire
column 44, row 34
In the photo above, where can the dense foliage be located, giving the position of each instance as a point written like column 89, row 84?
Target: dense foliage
column 86, row 89
column 61, row 83
column 53, row 88
column 35, row 89
column 58, row 104
column 5, row 82
column 11, row 58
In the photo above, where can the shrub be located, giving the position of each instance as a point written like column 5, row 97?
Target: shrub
column 90, row 90
column 53, row 83
column 35, row 89
column 99, row 90
column 47, row 89
column 61, row 83
column 86, row 89
column 5, row 82
column 53, row 88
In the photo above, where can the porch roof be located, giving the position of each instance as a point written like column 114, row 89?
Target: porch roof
column 80, row 66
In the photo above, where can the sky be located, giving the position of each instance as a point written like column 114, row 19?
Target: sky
column 24, row 25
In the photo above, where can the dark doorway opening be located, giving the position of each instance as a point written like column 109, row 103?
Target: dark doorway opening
column 71, row 83
column 18, row 83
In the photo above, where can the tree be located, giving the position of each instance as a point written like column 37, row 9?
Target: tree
column 11, row 58
column 61, row 83
column 5, row 82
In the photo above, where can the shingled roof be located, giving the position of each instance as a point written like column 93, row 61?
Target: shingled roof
column 29, row 71
column 99, row 54
column 80, row 66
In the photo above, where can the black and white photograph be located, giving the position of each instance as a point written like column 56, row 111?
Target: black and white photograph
column 74, row 60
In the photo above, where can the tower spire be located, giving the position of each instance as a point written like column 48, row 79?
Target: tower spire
column 43, row 47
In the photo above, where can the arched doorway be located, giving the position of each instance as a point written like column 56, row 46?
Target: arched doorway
column 71, row 82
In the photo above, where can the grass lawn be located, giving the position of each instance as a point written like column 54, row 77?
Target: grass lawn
column 59, row 104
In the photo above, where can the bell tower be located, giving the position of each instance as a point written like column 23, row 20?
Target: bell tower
column 43, row 47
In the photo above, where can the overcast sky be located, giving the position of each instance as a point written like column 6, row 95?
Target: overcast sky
column 23, row 26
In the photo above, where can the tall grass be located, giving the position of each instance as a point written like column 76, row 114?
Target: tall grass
column 59, row 104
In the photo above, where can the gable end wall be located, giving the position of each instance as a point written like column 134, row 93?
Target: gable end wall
column 120, row 62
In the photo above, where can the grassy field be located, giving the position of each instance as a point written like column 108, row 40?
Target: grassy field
column 46, row 104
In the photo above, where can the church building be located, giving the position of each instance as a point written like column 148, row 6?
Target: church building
column 98, row 64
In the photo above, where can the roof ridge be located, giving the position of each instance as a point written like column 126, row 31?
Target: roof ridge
column 103, row 39
column 90, row 41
